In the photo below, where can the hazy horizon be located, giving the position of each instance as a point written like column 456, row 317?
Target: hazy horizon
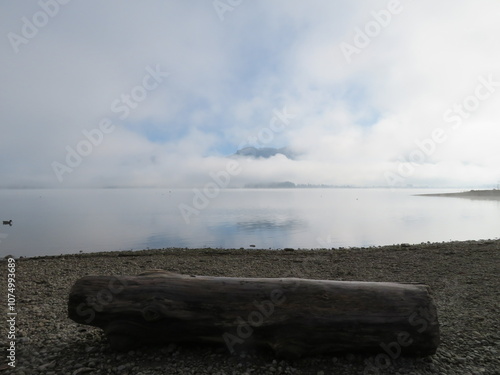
column 298, row 186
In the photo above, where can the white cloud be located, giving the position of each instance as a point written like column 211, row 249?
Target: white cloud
column 354, row 121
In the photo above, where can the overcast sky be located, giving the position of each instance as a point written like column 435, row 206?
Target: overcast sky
column 158, row 93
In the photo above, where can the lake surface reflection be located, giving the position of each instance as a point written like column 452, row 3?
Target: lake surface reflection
column 49, row 222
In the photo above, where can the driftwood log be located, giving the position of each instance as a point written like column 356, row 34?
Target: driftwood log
column 292, row 316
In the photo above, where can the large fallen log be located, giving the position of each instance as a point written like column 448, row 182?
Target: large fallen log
column 292, row 316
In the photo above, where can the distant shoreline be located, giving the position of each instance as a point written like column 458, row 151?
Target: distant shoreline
column 474, row 194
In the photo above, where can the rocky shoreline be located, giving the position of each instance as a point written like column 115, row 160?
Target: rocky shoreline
column 462, row 275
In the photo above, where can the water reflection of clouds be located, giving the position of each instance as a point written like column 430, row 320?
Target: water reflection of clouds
column 265, row 231
column 272, row 224
column 69, row 221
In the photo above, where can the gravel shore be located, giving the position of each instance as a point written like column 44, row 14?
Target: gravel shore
column 464, row 278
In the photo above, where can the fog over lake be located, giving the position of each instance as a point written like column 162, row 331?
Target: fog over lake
column 49, row 222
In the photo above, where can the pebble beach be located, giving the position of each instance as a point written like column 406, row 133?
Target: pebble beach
column 463, row 277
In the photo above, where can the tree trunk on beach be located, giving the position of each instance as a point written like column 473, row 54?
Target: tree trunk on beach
column 294, row 317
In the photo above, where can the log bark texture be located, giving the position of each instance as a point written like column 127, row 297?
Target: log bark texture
column 294, row 317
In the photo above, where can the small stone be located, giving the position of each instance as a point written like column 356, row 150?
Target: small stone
column 122, row 367
column 47, row 366
column 82, row 370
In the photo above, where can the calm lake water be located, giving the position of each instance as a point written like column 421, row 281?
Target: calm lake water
column 51, row 222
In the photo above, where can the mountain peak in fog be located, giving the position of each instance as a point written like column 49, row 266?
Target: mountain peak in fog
column 264, row 152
